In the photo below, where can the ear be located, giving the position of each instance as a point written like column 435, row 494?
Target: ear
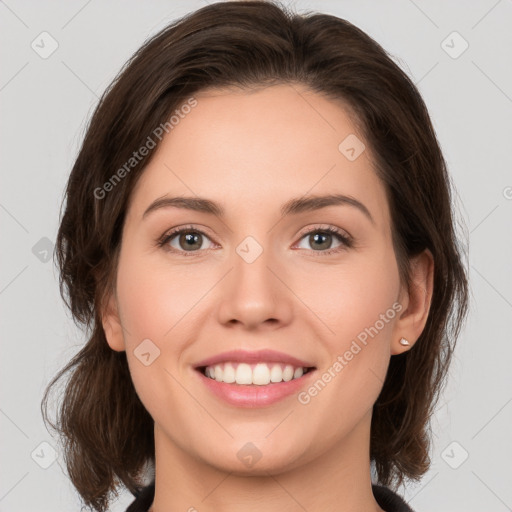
column 112, row 325
column 415, row 302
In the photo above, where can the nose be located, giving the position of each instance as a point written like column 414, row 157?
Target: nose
column 254, row 294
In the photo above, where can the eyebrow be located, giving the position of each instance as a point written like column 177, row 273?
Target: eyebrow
column 291, row 207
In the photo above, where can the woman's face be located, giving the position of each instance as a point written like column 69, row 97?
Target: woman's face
column 257, row 277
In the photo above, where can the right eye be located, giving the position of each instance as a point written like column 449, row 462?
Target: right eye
column 185, row 240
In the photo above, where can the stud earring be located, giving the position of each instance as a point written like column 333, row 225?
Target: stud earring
column 404, row 342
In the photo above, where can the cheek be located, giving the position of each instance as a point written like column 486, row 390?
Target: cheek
column 155, row 298
column 351, row 296
column 359, row 307
column 358, row 304
column 156, row 304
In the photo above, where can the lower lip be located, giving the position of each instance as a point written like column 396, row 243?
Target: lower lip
column 253, row 395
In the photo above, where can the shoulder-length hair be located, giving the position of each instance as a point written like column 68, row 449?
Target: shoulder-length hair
column 108, row 433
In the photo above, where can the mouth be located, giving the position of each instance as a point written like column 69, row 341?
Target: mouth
column 258, row 385
column 255, row 374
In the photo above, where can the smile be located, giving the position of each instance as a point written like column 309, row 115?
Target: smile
column 251, row 395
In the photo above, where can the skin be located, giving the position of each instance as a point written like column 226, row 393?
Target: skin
column 251, row 151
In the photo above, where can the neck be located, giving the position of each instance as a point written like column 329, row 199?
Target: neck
column 335, row 481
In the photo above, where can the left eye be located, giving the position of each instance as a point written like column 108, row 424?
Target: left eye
column 323, row 239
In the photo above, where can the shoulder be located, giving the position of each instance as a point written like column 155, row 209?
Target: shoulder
column 143, row 499
column 386, row 498
column 390, row 501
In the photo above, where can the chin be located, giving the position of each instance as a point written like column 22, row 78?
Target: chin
column 255, row 458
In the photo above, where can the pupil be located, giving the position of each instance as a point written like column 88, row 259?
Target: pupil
column 316, row 236
column 190, row 239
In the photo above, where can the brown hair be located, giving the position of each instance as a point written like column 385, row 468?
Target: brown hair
column 108, row 433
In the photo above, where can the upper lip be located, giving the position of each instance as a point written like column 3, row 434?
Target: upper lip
column 250, row 357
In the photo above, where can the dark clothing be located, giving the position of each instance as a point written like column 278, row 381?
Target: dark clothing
column 386, row 498
column 389, row 501
column 143, row 500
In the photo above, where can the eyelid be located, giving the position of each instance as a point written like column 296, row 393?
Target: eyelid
column 325, row 228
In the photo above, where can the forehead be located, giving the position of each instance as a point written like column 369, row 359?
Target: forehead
column 256, row 148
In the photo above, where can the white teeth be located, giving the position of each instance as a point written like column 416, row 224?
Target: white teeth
column 243, row 374
column 228, row 375
column 288, row 373
column 276, row 374
column 298, row 373
column 260, row 374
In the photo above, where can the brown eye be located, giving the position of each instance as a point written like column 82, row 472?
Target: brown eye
column 192, row 241
column 321, row 240
column 186, row 240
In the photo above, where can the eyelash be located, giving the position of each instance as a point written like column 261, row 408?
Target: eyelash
column 346, row 240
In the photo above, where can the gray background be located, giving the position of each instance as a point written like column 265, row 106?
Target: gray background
column 45, row 103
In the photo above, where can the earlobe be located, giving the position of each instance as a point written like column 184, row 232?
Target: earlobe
column 112, row 325
column 412, row 320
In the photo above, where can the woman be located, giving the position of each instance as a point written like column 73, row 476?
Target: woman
column 259, row 235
